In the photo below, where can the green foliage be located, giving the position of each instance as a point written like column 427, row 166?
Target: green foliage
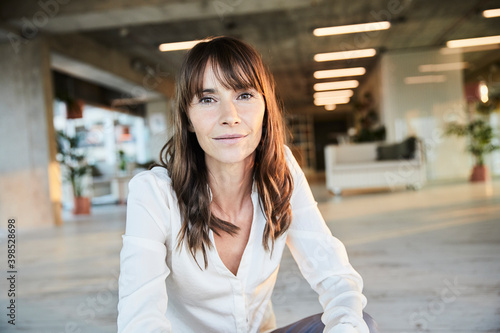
column 73, row 157
column 123, row 160
column 480, row 135
column 370, row 135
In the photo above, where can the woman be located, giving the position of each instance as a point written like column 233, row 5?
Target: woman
column 207, row 227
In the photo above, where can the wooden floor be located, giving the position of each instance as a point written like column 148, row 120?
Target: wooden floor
column 430, row 261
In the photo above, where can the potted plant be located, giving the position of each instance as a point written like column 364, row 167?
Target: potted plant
column 367, row 120
column 122, row 165
column 74, row 159
column 481, row 142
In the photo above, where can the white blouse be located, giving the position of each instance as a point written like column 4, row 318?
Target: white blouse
column 162, row 289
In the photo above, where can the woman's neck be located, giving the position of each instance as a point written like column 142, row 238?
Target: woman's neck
column 231, row 186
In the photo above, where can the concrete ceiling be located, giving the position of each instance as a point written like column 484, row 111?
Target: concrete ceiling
column 281, row 30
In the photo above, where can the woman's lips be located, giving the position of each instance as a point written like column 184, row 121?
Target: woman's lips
column 229, row 138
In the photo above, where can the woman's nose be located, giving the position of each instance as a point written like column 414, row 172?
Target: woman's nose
column 229, row 114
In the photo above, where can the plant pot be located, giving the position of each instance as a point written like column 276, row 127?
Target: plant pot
column 82, row 206
column 479, row 174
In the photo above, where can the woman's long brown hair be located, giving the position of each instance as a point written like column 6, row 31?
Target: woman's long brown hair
column 237, row 65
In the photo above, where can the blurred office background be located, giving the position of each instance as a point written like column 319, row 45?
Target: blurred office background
column 87, row 86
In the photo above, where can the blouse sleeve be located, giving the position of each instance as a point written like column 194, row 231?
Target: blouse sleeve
column 142, row 292
column 322, row 260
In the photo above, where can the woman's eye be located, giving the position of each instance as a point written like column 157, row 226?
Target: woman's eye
column 245, row 96
column 206, row 100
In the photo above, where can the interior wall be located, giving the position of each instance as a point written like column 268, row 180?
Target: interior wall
column 424, row 109
column 30, row 188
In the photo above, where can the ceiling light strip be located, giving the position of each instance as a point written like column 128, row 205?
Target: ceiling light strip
column 473, row 41
column 336, row 85
column 352, row 28
column 452, row 66
column 353, row 54
column 460, row 50
column 355, row 71
column 327, row 101
column 489, row 13
column 424, row 79
column 165, row 47
column 334, row 93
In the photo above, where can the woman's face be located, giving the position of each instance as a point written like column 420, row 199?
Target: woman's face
column 227, row 122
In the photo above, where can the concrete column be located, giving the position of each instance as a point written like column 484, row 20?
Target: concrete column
column 30, row 185
column 158, row 121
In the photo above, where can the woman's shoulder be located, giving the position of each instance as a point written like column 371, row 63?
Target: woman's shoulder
column 292, row 163
column 157, row 173
column 155, row 179
column 149, row 204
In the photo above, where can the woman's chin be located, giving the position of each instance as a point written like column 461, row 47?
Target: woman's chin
column 232, row 159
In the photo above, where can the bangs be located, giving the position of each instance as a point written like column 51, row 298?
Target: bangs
column 232, row 68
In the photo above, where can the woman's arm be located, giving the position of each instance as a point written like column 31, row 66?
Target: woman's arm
column 142, row 292
column 322, row 260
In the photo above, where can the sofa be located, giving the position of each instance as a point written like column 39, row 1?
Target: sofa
column 375, row 165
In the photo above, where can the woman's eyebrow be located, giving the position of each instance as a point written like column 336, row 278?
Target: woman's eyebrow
column 208, row 91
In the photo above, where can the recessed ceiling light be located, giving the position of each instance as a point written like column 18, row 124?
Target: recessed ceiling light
column 331, row 100
column 353, row 54
column 352, row 28
column 178, row 45
column 424, row 79
column 489, row 13
column 336, row 85
column 333, row 93
column 355, row 71
column 473, row 41
column 452, row 66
